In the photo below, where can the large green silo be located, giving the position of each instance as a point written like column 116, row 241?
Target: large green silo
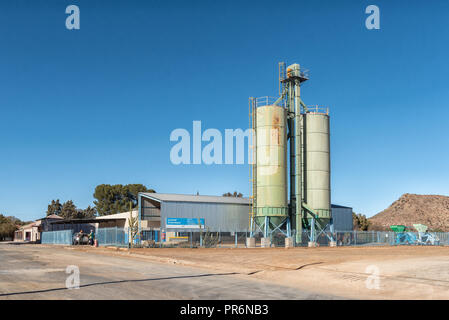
column 271, row 165
column 317, row 164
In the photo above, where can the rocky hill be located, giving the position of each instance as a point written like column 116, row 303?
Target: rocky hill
column 431, row 210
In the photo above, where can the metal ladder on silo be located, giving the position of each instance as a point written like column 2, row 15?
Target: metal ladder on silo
column 252, row 165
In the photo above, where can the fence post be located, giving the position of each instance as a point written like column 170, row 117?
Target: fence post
column 235, row 233
column 355, row 237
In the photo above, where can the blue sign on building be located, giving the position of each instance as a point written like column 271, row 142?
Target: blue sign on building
column 184, row 223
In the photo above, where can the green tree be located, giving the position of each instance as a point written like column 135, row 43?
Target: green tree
column 68, row 210
column 17, row 221
column 111, row 199
column 54, row 207
column 235, row 194
column 133, row 223
column 87, row 213
column 360, row 222
column 7, row 227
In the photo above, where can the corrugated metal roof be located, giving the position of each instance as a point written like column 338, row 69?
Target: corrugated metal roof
column 122, row 215
column 172, row 197
column 52, row 216
column 339, row 206
column 29, row 225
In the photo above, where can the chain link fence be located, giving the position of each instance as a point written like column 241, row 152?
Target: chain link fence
column 57, row 237
column 112, row 237
column 238, row 239
column 195, row 239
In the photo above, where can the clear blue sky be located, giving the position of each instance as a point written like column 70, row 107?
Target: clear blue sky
column 97, row 105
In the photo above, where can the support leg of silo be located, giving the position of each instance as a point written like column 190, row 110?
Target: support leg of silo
column 298, row 227
column 265, row 227
column 251, row 240
column 251, row 226
column 289, row 239
column 312, row 241
column 266, row 240
column 236, row 237
column 332, row 243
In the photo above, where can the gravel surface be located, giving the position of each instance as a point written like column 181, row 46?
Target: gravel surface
column 39, row 272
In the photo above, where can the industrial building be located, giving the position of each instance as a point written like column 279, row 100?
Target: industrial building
column 225, row 214
column 165, row 216
column 292, row 194
column 290, row 177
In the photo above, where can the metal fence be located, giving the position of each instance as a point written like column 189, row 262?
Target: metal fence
column 373, row 238
column 57, row 237
column 194, row 239
column 150, row 235
column 112, row 237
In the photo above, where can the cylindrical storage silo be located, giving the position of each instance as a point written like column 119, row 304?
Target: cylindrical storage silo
column 271, row 164
column 317, row 164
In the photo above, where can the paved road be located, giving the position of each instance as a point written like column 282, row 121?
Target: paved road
column 39, row 272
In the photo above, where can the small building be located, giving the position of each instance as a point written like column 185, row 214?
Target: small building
column 29, row 232
column 32, row 231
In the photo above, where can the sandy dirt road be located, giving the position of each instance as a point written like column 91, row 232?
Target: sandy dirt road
column 404, row 272
column 39, row 272
column 35, row 271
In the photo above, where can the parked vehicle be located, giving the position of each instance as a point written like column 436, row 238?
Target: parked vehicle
column 80, row 239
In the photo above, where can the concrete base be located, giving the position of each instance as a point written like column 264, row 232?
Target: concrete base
column 266, row 242
column 288, row 242
column 251, row 242
column 311, row 244
column 332, row 244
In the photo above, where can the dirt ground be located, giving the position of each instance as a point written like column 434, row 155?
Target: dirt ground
column 33, row 272
column 405, row 272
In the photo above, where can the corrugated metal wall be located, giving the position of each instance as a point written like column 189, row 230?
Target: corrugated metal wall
column 234, row 217
column 342, row 217
column 75, row 227
column 218, row 216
